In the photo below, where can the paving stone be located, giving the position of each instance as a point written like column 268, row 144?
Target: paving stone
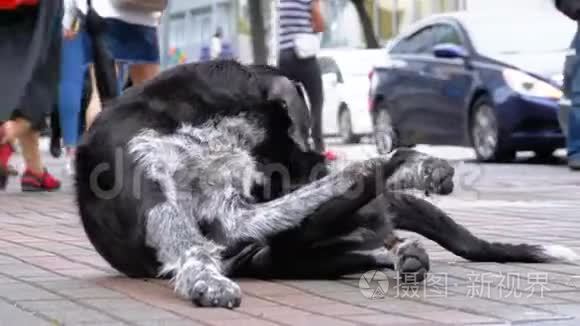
column 268, row 288
column 11, row 315
column 6, row 260
column 241, row 322
column 130, row 309
column 91, row 293
column 66, row 312
column 184, row 322
column 384, row 319
column 456, row 317
column 300, row 300
column 569, row 296
column 21, row 291
column 338, row 309
column 569, row 309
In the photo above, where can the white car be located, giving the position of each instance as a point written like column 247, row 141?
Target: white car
column 346, row 85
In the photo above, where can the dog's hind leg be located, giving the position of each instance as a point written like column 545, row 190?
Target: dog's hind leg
column 417, row 215
column 193, row 262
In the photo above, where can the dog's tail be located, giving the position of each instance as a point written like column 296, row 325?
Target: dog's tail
column 420, row 216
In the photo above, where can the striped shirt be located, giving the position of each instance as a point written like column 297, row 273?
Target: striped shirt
column 294, row 18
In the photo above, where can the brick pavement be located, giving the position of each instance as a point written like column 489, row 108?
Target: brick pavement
column 50, row 275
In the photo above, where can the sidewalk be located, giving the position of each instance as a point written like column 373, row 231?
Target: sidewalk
column 50, row 274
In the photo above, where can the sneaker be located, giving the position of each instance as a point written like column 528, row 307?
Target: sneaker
column 70, row 163
column 35, row 183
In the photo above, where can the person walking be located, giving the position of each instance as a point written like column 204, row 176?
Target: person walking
column 216, row 44
column 299, row 23
column 130, row 34
column 30, row 44
column 76, row 57
column 571, row 8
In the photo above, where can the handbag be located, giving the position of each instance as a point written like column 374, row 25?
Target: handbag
column 141, row 5
column 306, row 45
column 570, row 8
column 15, row 4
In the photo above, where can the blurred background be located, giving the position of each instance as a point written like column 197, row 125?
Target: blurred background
column 189, row 25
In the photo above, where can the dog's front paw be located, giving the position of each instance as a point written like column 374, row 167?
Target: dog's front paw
column 438, row 176
column 412, row 262
column 216, row 291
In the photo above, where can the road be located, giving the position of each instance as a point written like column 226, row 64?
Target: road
column 50, row 274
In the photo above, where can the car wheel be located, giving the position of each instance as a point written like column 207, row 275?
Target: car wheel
column 345, row 128
column 384, row 132
column 486, row 135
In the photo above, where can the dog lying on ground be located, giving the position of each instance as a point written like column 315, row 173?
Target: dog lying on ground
column 204, row 174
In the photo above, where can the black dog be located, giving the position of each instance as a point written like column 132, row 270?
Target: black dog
column 203, row 174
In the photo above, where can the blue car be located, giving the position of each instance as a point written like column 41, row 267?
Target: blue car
column 491, row 81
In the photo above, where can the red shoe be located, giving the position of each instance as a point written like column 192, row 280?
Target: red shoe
column 35, row 183
column 330, row 155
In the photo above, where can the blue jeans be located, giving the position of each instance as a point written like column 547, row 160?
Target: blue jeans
column 76, row 55
column 574, row 117
column 74, row 62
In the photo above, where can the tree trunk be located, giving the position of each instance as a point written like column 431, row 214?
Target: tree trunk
column 258, row 31
column 367, row 24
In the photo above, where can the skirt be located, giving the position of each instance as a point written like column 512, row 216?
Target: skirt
column 128, row 43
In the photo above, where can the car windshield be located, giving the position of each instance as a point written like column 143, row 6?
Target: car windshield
column 539, row 33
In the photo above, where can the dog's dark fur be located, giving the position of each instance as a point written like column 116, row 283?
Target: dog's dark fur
column 204, row 174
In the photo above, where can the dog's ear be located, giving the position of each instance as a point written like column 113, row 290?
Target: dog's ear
column 293, row 95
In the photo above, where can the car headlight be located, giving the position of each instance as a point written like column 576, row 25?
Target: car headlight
column 527, row 85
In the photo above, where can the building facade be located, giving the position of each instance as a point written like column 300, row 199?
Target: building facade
column 188, row 26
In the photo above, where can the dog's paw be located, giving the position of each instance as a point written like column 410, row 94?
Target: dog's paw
column 438, row 176
column 412, row 261
column 216, row 291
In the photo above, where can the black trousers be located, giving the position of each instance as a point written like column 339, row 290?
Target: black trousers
column 307, row 71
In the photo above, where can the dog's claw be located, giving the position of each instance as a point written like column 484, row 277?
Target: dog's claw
column 212, row 291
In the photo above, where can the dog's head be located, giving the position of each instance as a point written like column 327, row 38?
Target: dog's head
column 304, row 165
column 292, row 93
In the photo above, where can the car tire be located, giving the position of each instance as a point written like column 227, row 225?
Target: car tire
column 486, row 137
column 385, row 134
column 347, row 136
